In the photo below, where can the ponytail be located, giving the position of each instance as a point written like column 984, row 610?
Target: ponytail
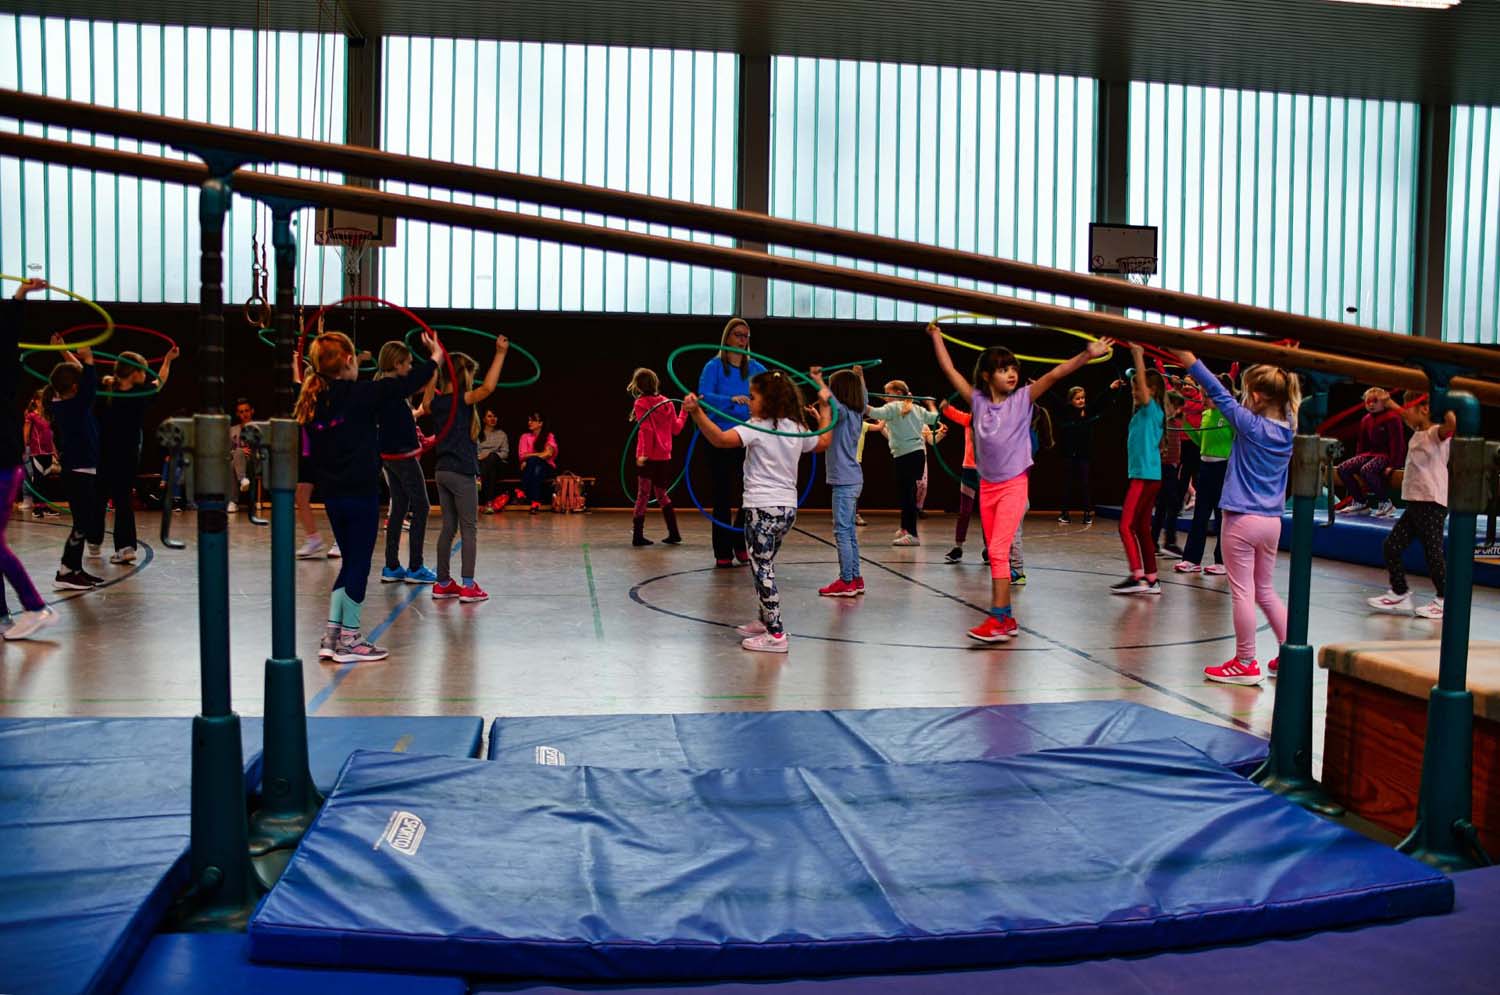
column 330, row 352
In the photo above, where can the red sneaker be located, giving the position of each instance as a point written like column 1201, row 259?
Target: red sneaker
column 1234, row 672
column 1346, row 502
column 472, row 593
column 446, row 590
column 1271, row 667
column 859, row 585
column 994, row 630
column 840, row 588
column 500, row 502
column 742, row 555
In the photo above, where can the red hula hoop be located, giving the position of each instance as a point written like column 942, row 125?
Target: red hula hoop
column 92, row 325
column 447, row 359
column 1348, row 413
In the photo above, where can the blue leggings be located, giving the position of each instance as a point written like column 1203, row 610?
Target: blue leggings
column 356, row 523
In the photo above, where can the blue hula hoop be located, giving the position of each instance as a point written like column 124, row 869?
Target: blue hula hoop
column 687, row 478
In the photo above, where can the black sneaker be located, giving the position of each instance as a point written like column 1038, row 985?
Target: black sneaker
column 74, row 580
column 984, row 555
column 954, row 555
column 1063, row 519
column 1088, row 518
column 1170, row 551
column 673, row 540
column 1130, row 585
column 96, row 581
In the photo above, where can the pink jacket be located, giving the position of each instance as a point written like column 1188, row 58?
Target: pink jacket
column 654, row 440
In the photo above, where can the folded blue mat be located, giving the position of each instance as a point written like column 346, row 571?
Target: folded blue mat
column 846, row 737
column 578, row 872
column 219, row 964
column 331, row 739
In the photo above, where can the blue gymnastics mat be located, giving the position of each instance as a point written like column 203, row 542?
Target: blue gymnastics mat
column 219, row 964
column 850, row 737
column 581, row 872
column 330, row 740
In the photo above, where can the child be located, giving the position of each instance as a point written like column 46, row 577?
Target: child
column 1143, row 458
column 903, row 421
column 75, row 384
column 494, row 453
column 40, row 454
column 846, row 388
column 122, row 418
column 968, row 489
column 930, row 437
column 1381, row 446
column 770, row 500
column 538, row 457
column 400, row 457
column 659, row 422
column 1169, row 498
column 35, row 614
column 1001, row 425
column 458, row 470
column 341, row 414
column 1424, row 489
column 1075, row 433
column 1215, row 441
column 312, row 542
column 1253, row 500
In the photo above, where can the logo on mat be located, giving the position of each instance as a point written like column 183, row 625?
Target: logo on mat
column 403, row 832
column 550, row 756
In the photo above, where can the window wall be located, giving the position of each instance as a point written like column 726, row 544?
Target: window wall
column 122, row 239
column 647, row 121
column 1471, row 303
column 1303, row 204
column 992, row 162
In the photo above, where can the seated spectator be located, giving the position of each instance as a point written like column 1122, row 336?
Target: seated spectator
column 239, row 455
column 494, row 454
column 538, row 459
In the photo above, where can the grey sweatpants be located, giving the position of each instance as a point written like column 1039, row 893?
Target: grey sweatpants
column 458, row 496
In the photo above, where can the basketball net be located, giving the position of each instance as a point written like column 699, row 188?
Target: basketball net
column 1137, row 269
column 352, row 243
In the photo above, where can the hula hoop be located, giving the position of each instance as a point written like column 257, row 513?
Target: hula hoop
column 701, row 346
column 171, row 344
column 448, row 358
column 537, row 375
column 625, row 454
column 902, row 397
column 1028, row 359
column 100, row 393
column 688, row 461
column 866, row 363
column 938, row 452
column 109, row 322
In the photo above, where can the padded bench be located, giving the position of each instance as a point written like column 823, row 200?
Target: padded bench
column 1377, row 722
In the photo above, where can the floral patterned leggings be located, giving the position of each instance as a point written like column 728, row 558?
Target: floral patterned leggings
column 765, row 528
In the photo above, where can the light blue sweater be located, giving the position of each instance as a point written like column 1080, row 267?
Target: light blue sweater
column 1255, row 483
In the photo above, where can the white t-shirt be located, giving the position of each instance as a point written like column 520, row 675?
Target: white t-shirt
column 771, row 462
column 1426, row 468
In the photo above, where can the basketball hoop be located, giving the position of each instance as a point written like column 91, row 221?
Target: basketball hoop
column 1137, row 269
column 353, row 243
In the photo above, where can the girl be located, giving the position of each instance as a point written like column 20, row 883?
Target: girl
column 1215, row 441
column 41, row 455
column 968, row 489
column 340, row 414
column 846, row 388
column 653, row 454
column 1075, row 434
column 75, row 384
column 1253, row 500
column 494, row 453
column 538, row 461
column 904, row 421
column 930, row 437
column 770, row 502
column 400, row 457
column 1001, row 425
column 458, row 470
column 724, row 383
column 1424, row 489
column 312, row 542
column 1381, row 446
column 1169, row 498
column 1143, row 457
column 35, row 614
column 122, row 418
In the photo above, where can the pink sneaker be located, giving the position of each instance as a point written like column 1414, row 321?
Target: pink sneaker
column 1216, row 569
column 445, row 591
column 1184, row 567
column 1234, row 672
column 994, row 630
column 765, row 643
column 840, row 588
column 859, row 585
column 755, row 628
column 472, row 593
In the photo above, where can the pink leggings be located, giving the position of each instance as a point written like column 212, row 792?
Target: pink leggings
column 1250, row 556
column 1001, row 508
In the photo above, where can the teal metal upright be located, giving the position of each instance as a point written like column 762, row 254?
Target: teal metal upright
column 1287, row 770
column 1444, row 834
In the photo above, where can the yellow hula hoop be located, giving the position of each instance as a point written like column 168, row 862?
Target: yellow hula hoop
column 102, row 337
column 1029, row 359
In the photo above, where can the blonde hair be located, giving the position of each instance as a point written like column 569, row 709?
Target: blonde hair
column 1281, row 389
column 899, row 388
column 644, row 383
column 744, row 366
column 391, row 354
column 1074, row 392
column 1380, row 392
column 464, row 369
column 329, row 354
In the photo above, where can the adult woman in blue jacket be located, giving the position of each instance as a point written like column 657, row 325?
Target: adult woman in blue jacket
column 725, row 384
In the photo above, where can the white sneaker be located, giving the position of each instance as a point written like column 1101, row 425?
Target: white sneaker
column 28, row 624
column 765, row 643
column 1216, row 569
column 1386, row 510
column 904, row 538
column 328, row 644
column 333, row 552
column 1434, row 610
column 1185, row 567
column 755, row 628
column 1357, row 508
column 1390, row 601
column 96, row 550
column 244, row 483
column 126, row 555
column 312, row 548
column 231, row 507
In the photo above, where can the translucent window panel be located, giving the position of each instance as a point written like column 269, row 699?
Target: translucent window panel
column 1471, row 303
column 647, row 121
column 999, row 163
column 1299, row 203
column 122, row 239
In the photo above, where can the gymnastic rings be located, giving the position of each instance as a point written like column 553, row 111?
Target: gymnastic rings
column 625, row 454
column 510, row 347
column 117, row 360
column 102, row 337
column 1028, row 359
column 258, row 307
column 780, row 366
column 812, row 476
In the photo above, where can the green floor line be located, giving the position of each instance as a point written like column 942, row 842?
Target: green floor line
column 588, row 568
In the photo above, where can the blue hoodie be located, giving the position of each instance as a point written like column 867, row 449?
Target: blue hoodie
column 719, row 389
column 1255, row 483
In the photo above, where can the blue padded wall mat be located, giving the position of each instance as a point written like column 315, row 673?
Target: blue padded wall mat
column 219, row 964
column 331, row 739
column 847, row 737
column 581, row 872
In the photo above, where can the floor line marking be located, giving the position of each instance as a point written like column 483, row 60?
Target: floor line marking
column 588, row 568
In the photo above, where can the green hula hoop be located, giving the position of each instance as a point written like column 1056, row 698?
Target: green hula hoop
column 625, row 455
column 513, row 347
column 937, row 450
column 868, row 364
column 716, row 347
column 38, row 374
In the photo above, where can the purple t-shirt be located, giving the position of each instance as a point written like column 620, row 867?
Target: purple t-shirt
column 1002, row 435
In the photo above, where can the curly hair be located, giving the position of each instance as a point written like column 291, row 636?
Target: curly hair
column 778, row 395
